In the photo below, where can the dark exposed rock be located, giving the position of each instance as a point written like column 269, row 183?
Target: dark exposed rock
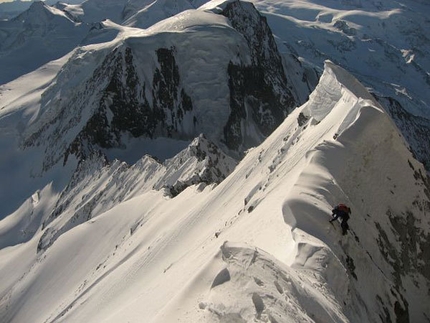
column 415, row 129
column 213, row 166
column 302, row 119
column 402, row 314
column 351, row 267
column 343, row 26
column 124, row 108
column 259, row 91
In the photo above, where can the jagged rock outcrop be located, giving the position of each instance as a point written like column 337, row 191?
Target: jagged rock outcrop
column 97, row 185
column 124, row 108
column 201, row 162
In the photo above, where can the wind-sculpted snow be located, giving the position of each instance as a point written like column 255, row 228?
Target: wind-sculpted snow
column 354, row 169
column 255, row 287
column 122, row 244
column 384, row 44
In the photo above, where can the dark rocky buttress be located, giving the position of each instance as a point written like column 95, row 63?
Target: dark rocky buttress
column 415, row 129
column 258, row 92
column 124, row 108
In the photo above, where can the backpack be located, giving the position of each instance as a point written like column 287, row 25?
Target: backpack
column 343, row 208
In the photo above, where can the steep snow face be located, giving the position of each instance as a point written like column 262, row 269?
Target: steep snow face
column 19, row 100
column 415, row 129
column 360, row 176
column 258, row 246
column 187, row 75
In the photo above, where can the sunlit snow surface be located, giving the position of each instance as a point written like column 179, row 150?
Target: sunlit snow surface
column 257, row 247
column 385, row 43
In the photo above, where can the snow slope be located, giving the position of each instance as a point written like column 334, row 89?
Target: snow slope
column 19, row 107
column 183, row 76
column 35, row 37
column 103, row 241
column 384, row 43
column 258, row 246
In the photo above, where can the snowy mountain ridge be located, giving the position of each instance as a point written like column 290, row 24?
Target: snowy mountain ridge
column 93, row 189
column 94, row 230
column 389, row 39
column 272, row 212
column 45, row 32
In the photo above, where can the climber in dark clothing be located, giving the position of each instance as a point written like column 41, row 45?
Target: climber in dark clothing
column 341, row 211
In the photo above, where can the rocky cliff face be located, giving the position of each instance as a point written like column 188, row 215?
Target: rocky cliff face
column 124, row 108
column 130, row 94
column 415, row 129
column 258, row 91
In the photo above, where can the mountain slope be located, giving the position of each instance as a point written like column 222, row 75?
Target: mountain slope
column 45, row 32
column 388, row 38
column 144, row 14
column 94, row 230
column 151, row 84
column 258, row 246
column 384, row 44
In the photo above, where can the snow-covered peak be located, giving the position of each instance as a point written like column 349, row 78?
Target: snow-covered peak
column 187, row 237
column 43, row 32
column 150, row 84
column 39, row 14
column 258, row 246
